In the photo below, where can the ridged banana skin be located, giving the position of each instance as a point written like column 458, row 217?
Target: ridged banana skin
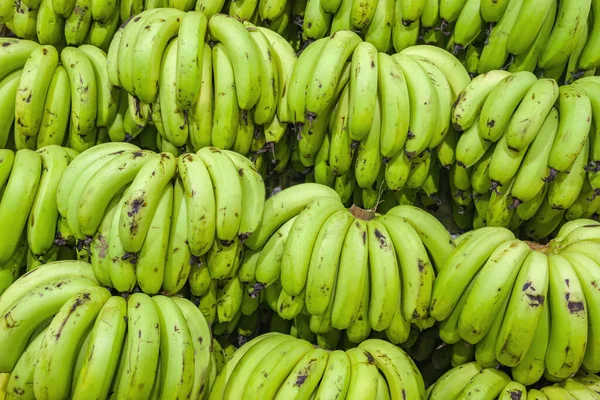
column 352, row 273
column 43, row 217
column 103, row 351
column 336, row 377
column 20, row 384
column 253, row 194
column 99, row 257
column 528, row 24
column 79, row 165
column 394, row 95
column 438, row 242
column 502, row 102
column 385, row 276
column 445, row 100
column 536, row 105
column 364, row 376
column 283, row 206
column 235, row 384
column 227, row 191
column 453, row 70
column 534, row 168
column 400, row 371
column 417, row 273
column 575, row 121
column 107, row 95
column 363, row 90
column 57, row 107
column 462, row 266
column 152, row 257
column 83, row 90
column 300, row 77
column 524, row 311
column 321, row 88
column 200, row 200
column 121, row 170
column 301, row 241
column 453, row 381
column 141, row 355
column 563, row 36
column 190, row 56
column 176, row 350
column 62, row 340
column 324, row 262
column 178, row 265
column 243, row 54
column 18, row 198
column 471, row 147
column 532, row 365
column 143, row 198
column 586, row 269
column 488, row 384
column 379, row 31
column 467, row 108
column 493, row 285
column 32, row 89
column 424, row 102
column 201, row 114
column 33, row 279
column 266, row 106
column 14, row 54
column 368, row 157
column 569, row 333
column 8, row 91
column 309, row 371
column 28, row 316
column 566, row 186
column 226, row 109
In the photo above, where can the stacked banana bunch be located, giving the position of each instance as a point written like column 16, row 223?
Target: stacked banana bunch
column 153, row 220
column 66, row 99
column 277, row 366
column 62, row 336
column 95, row 22
column 557, row 38
column 231, row 96
column 368, row 120
column 529, row 307
column 472, row 380
column 528, row 151
column 332, row 269
column 28, row 184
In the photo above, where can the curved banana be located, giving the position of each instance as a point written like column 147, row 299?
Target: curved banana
column 363, row 91
column 226, row 111
column 57, row 107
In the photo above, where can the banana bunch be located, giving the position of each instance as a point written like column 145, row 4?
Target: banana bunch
column 530, row 307
column 30, row 222
column 345, row 96
column 331, row 269
column 527, row 152
column 473, row 380
column 49, row 98
column 148, row 219
column 64, row 336
column 185, row 93
column 279, row 366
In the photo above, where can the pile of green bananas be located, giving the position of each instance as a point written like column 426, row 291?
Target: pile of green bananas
column 333, row 269
column 231, row 96
column 276, row 366
column 472, row 380
column 150, row 219
column 528, row 151
column 95, row 22
column 62, row 336
column 557, row 38
column 28, row 183
column 529, row 307
column 346, row 113
column 62, row 99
